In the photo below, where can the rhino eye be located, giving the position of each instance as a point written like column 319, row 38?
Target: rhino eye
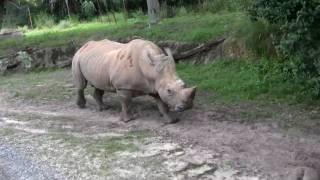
column 170, row 92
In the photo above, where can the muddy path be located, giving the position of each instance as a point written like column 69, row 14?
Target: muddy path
column 53, row 139
column 201, row 142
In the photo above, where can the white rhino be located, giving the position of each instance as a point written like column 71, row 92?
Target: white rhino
column 137, row 68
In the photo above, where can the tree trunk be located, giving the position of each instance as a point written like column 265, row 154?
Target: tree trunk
column 67, row 3
column 30, row 18
column 125, row 12
column 153, row 11
column 2, row 12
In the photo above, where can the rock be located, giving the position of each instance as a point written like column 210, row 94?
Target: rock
column 303, row 173
column 205, row 169
column 225, row 174
column 196, row 160
column 176, row 166
column 25, row 59
column 178, row 153
column 180, row 177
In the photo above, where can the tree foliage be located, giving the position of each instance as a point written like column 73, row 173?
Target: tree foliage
column 298, row 39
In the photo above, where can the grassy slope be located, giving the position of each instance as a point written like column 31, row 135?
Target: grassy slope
column 192, row 28
column 227, row 81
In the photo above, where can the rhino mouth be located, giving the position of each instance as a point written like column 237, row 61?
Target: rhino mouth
column 182, row 108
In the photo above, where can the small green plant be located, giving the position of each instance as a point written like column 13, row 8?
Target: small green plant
column 23, row 29
column 63, row 24
column 137, row 14
column 43, row 20
column 182, row 11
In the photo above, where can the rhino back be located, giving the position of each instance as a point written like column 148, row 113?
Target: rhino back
column 94, row 67
column 108, row 65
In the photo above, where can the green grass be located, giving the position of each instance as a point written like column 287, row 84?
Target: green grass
column 190, row 28
column 44, row 85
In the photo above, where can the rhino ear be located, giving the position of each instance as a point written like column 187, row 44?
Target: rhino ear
column 191, row 92
column 157, row 61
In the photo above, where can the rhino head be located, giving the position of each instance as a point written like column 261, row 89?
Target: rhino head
column 176, row 97
column 171, row 89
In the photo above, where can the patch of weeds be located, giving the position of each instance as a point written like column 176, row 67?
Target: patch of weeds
column 108, row 145
column 112, row 145
column 6, row 131
column 140, row 134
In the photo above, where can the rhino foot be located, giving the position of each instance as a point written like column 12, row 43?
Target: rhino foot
column 103, row 107
column 126, row 118
column 171, row 121
column 81, row 104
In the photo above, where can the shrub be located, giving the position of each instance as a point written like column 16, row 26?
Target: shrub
column 298, row 40
column 258, row 37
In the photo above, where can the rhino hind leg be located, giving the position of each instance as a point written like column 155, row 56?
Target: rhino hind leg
column 125, row 100
column 81, row 100
column 98, row 96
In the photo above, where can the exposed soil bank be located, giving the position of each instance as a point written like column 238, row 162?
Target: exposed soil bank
column 59, row 57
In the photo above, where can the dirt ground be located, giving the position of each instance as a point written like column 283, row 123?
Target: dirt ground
column 53, row 139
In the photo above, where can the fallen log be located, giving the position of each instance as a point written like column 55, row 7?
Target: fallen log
column 201, row 48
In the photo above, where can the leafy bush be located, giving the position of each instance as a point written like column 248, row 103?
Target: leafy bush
column 298, row 40
column 137, row 14
column 224, row 5
column 167, row 10
column 88, row 9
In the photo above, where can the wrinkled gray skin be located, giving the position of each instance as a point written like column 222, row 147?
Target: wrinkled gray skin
column 130, row 70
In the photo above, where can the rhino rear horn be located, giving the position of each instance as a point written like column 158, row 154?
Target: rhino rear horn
column 191, row 92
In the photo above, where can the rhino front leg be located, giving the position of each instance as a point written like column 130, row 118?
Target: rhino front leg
column 98, row 95
column 164, row 110
column 125, row 99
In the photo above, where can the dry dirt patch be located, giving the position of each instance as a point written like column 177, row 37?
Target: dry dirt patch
column 72, row 146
